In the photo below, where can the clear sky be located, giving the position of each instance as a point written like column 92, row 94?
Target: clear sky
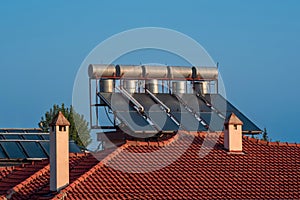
column 256, row 42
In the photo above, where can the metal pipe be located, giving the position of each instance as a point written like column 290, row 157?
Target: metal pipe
column 130, row 98
column 167, row 109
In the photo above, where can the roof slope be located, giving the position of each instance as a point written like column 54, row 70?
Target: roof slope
column 31, row 181
column 265, row 171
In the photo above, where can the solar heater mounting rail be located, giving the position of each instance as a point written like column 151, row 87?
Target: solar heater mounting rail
column 211, row 106
column 166, row 108
column 193, row 112
column 130, row 98
column 139, row 108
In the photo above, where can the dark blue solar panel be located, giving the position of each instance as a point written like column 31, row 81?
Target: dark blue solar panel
column 13, row 150
column 155, row 113
column 127, row 114
column 12, row 136
column 218, row 102
column 45, row 137
column 170, row 101
column 215, row 122
column 189, row 122
column 2, row 154
column 33, row 149
column 135, row 122
column 15, row 131
column 73, row 148
column 116, row 101
column 34, row 131
column 195, row 103
column 32, row 137
column 46, row 147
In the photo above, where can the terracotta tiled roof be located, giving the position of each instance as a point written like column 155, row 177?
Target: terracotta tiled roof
column 60, row 120
column 31, row 181
column 265, row 171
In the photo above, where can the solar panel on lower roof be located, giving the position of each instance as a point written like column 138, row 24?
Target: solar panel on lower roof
column 32, row 137
column 73, row 148
column 221, row 104
column 13, row 150
column 12, row 137
column 46, row 147
column 2, row 154
column 46, row 136
column 33, row 149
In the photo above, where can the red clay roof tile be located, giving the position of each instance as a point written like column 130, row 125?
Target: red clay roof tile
column 265, row 171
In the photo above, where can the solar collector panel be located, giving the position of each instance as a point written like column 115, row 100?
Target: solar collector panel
column 33, row 150
column 13, row 150
column 154, row 111
column 32, row 137
column 221, row 104
column 2, row 153
column 126, row 113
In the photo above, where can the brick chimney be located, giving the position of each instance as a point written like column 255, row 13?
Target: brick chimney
column 233, row 134
column 59, row 152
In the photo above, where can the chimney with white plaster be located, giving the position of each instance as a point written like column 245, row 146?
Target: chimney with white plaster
column 233, row 134
column 59, row 152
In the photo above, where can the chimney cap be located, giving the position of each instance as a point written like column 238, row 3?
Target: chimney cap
column 59, row 120
column 233, row 119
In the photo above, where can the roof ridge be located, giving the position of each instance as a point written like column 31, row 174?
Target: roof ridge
column 153, row 144
column 84, row 176
column 27, row 181
column 260, row 141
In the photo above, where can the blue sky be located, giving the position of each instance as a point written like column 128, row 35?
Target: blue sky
column 256, row 43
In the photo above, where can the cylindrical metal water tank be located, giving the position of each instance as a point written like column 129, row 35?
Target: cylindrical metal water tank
column 152, row 85
column 101, row 70
column 202, row 87
column 106, row 85
column 179, row 72
column 210, row 73
column 129, row 71
column 129, row 85
column 178, row 87
column 205, row 87
column 155, row 71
